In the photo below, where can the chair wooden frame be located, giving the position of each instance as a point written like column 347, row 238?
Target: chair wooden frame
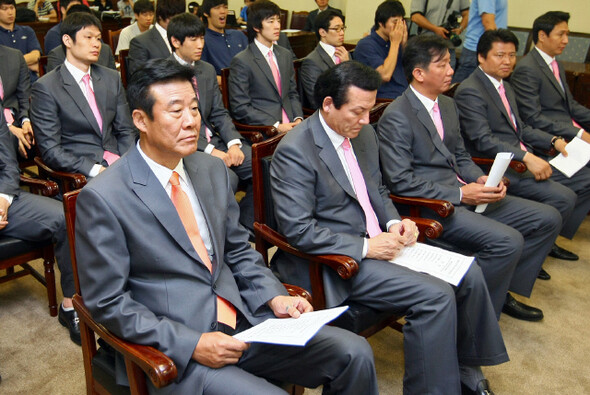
column 123, row 55
column 298, row 19
column 114, row 39
column 67, row 181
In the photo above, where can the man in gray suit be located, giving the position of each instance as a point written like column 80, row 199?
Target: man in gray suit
column 79, row 110
column 329, row 199
column 15, row 81
column 329, row 29
column 491, row 123
column 153, row 44
column 262, row 88
column 423, row 155
column 218, row 135
column 310, row 24
column 161, row 254
column 35, row 218
column 544, row 101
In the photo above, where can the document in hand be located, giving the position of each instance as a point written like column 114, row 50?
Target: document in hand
column 446, row 265
column 496, row 173
column 290, row 331
column 578, row 155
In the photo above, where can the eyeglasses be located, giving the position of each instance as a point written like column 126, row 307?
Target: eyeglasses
column 338, row 29
column 502, row 56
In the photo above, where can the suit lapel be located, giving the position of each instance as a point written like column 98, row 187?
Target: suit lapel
column 100, row 94
column 73, row 89
column 284, row 63
column 260, row 60
column 494, row 95
column 325, row 57
column 545, row 70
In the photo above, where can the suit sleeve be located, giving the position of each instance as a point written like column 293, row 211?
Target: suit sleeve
column 308, row 75
column 111, row 58
column 526, row 83
column 53, row 60
column 294, row 95
column 9, row 171
column 138, row 55
column 293, row 183
column 47, row 126
column 23, row 89
column 396, row 140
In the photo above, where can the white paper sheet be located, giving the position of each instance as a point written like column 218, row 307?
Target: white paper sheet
column 447, row 265
column 578, row 155
column 290, row 331
column 496, row 173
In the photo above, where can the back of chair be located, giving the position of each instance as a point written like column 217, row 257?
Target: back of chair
column 42, row 65
column 124, row 63
column 298, row 19
column 284, row 14
column 225, row 87
column 114, row 39
column 69, row 202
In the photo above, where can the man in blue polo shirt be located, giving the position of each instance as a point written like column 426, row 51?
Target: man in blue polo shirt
column 382, row 49
column 221, row 45
column 19, row 37
column 483, row 15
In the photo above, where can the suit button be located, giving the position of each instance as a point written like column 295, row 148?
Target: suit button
column 214, row 286
column 213, row 325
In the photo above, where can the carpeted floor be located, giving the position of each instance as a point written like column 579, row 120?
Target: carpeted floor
column 549, row 357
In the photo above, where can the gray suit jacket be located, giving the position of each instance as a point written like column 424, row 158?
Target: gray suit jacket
column 541, row 101
column 160, row 293
column 253, row 95
column 148, row 45
column 57, row 56
column 310, row 21
column 486, row 125
column 9, row 171
column 414, row 159
column 312, row 66
column 65, row 127
column 16, row 81
column 316, row 207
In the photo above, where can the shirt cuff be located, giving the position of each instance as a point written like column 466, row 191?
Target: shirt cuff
column 25, row 119
column 234, row 142
column 298, row 118
column 460, row 194
column 276, row 124
column 95, row 170
column 580, row 133
column 7, row 197
column 209, row 148
column 365, row 247
column 392, row 222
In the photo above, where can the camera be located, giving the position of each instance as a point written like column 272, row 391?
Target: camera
column 453, row 23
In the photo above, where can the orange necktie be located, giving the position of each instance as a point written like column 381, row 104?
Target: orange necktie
column 226, row 313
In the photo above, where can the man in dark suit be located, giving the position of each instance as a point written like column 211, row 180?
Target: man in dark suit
column 491, row 123
column 329, row 199
column 35, row 218
column 545, row 101
column 262, row 88
column 329, row 29
column 153, row 44
column 15, row 86
column 218, row 136
column 423, row 155
column 164, row 262
column 79, row 110
column 311, row 17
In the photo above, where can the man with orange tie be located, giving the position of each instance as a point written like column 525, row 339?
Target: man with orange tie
column 79, row 110
column 164, row 262
column 491, row 123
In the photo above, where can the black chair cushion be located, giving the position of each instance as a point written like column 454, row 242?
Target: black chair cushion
column 11, row 247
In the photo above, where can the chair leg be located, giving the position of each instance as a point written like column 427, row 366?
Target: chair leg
column 48, row 262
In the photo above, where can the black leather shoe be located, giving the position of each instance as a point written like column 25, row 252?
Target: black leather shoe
column 543, row 275
column 70, row 319
column 483, row 388
column 561, row 253
column 521, row 311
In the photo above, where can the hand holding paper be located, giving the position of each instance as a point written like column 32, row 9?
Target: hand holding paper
column 496, row 173
column 578, row 156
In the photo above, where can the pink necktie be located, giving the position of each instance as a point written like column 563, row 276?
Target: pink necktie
column 277, row 77
column 555, row 68
column 337, row 59
column 360, row 188
column 7, row 112
column 226, row 313
column 502, row 92
column 196, row 86
column 440, row 128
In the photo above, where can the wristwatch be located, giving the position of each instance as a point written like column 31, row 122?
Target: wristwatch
column 554, row 139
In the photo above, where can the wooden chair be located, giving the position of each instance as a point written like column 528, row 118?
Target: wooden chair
column 123, row 66
column 16, row 252
column 114, row 39
column 298, row 19
column 42, row 65
column 284, row 14
column 252, row 133
column 67, row 181
column 358, row 318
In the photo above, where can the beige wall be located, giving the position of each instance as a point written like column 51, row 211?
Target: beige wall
column 521, row 13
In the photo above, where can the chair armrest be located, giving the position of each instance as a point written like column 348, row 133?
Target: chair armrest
column 307, row 112
column 345, row 266
column 253, row 137
column 294, row 290
column 71, row 181
column 377, row 111
column 40, row 187
column 443, row 208
column 515, row 165
column 380, row 100
column 158, row 367
column 269, row 131
column 427, row 227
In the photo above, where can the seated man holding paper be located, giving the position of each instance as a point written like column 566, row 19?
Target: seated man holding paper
column 329, row 199
column 423, row 155
column 164, row 262
column 491, row 123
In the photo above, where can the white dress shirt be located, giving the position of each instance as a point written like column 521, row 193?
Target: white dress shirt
column 497, row 84
column 330, row 50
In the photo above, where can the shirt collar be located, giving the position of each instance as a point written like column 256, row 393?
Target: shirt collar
column 334, row 137
column 164, row 35
column 182, row 61
column 263, row 48
column 379, row 39
column 210, row 31
column 428, row 103
column 76, row 72
column 15, row 27
column 494, row 81
column 330, row 49
column 548, row 59
column 162, row 173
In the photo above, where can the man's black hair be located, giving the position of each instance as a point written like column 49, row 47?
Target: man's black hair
column 258, row 12
column 166, row 9
column 422, row 50
column 76, row 21
column 547, row 22
column 388, row 9
column 206, row 7
column 322, row 21
column 489, row 37
column 141, row 6
column 183, row 26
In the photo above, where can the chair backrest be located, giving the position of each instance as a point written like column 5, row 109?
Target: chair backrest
column 223, row 86
column 114, row 39
column 42, row 65
column 524, row 38
column 124, row 63
column 298, row 19
column 284, row 14
column 69, row 202
column 578, row 48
